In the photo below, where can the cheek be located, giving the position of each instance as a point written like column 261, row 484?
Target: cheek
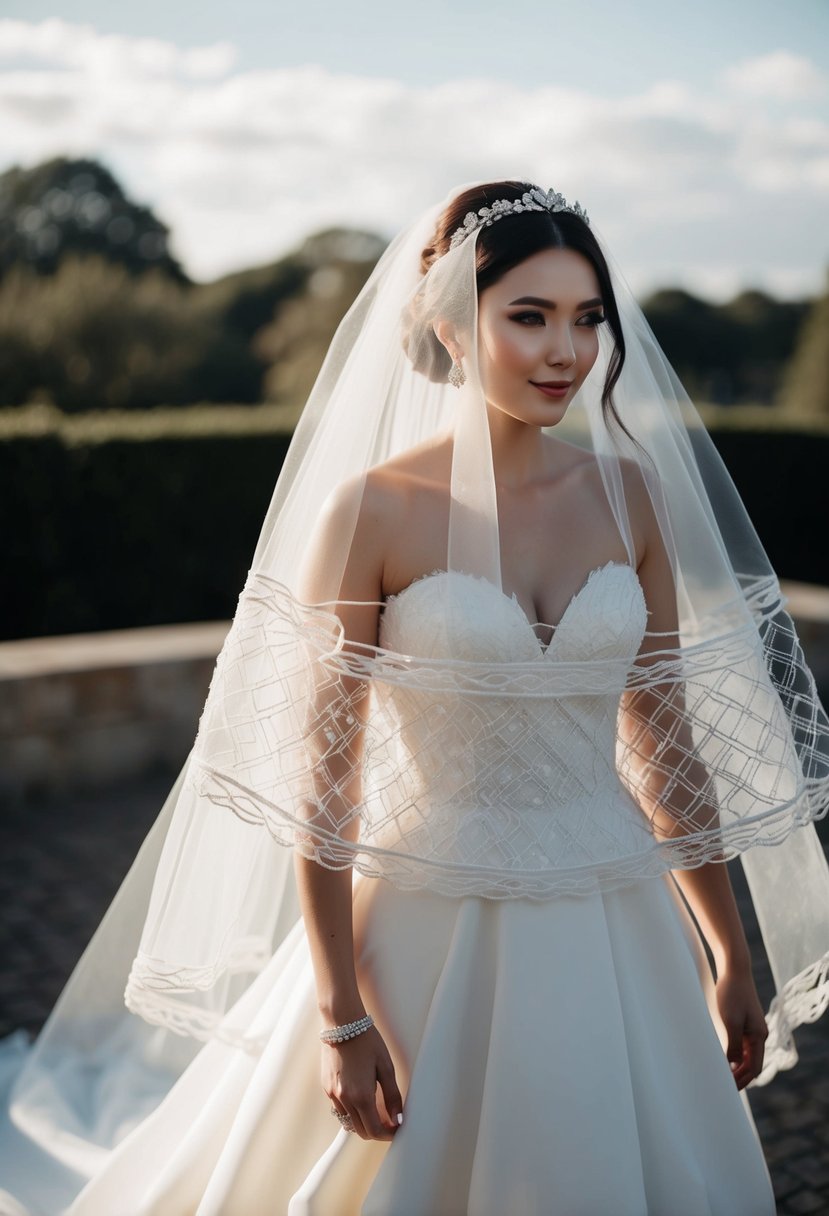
column 509, row 349
column 588, row 351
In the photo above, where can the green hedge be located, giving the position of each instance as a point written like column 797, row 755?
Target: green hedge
column 112, row 521
column 108, row 532
column 782, row 477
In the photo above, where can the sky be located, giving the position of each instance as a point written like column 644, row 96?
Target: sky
column 697, row 136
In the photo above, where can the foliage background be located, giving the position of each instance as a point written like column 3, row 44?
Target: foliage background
column 126, row 504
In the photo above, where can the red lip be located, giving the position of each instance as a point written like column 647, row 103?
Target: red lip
column 555, row 389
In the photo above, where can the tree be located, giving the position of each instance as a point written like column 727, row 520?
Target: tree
column 92, row 336
column 697, row 341
column 765, row 332
column 337, row 263
column 67, row 206
column 805, row 387
column 727, row 353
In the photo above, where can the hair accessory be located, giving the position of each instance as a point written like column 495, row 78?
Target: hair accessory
column 338, row 1034
column 533, row 200
column 456, row 376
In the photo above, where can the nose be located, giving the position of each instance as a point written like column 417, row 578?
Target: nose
column 561, row 352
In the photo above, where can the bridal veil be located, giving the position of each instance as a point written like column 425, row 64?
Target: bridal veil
column 725, row 747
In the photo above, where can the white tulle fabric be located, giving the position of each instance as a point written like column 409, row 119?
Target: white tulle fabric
column 489, row 765
column 473, row 774
column 722, row 745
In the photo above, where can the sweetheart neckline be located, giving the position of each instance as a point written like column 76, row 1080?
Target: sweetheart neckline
column 513, row 599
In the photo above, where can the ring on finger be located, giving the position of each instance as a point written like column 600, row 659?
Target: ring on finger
column 345, row 1119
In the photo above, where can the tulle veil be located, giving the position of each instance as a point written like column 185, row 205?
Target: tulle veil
column 211, row 894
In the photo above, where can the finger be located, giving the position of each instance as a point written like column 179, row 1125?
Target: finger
column 734, row 1050
column 375, row 1129
column 345, row 1106
column 741, row 1080
column 750, row 1064
column 337, row 1105
column 357, row 1122
column 391, row 1093
column 371, row 1120
column 743, row 1072
column 757, row 1052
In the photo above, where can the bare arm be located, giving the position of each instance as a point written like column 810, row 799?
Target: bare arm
column 674, row 790
column 351, row 1071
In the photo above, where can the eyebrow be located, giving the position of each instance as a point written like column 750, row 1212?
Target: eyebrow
column 539, row 303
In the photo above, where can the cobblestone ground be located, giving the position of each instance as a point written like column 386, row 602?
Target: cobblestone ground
column 61, row 863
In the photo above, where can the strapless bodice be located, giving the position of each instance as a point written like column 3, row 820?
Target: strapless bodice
column 604, row 619
column 511, row 781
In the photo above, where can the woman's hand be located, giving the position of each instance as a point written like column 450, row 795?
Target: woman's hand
column 351, row 1072
column 742, row 1014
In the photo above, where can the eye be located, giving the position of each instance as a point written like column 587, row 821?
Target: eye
column 528, row 318
column 591, row 319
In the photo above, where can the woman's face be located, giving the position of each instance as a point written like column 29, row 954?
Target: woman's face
column 538, row 339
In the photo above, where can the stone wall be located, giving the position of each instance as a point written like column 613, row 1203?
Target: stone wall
column 89, row 711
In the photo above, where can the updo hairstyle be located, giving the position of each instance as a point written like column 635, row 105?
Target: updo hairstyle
column 501, row 246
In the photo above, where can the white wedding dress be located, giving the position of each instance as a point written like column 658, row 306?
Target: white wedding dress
column 556, row 1057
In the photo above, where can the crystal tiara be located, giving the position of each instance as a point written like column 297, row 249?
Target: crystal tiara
column 533, row 200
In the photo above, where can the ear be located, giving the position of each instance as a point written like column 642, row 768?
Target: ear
column 447, row 335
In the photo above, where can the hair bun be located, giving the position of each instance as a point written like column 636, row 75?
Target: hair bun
column 425, row 351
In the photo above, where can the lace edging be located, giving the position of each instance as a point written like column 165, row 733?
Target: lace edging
column 188, row 1021
column 153, row 986
column 801, row 1001
column 414, row 871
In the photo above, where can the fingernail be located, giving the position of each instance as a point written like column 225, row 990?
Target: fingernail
column 399, row 1119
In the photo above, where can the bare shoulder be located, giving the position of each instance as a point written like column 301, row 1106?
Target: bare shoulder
column 344, row 558
column 382, row 494
column 391, row 487
column 364, row 516
column 428, row 461
column 640, row 505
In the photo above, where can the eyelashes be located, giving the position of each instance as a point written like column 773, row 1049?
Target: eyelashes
column 532, row 319
column 528, row 318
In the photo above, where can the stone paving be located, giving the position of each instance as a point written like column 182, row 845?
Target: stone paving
column 61, row 862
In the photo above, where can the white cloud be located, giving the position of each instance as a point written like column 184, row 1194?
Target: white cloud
column 781, row 75
column 65, row 45
column 243, row 164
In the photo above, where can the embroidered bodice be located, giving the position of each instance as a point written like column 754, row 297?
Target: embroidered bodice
column 513, row 783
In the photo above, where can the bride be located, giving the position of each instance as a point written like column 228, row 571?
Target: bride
column 509, row 681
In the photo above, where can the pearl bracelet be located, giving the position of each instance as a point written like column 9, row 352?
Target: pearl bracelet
column 338, row 1034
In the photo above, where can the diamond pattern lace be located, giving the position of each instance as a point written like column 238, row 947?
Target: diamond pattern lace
column 460, row 755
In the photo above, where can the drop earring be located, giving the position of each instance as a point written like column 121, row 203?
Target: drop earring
column 456, row 375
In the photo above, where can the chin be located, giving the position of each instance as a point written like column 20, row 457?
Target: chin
column 534, row 413
column 554, row 421
column 551, row 413
column 540, row 419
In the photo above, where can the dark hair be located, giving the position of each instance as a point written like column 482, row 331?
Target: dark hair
column 505, row 244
